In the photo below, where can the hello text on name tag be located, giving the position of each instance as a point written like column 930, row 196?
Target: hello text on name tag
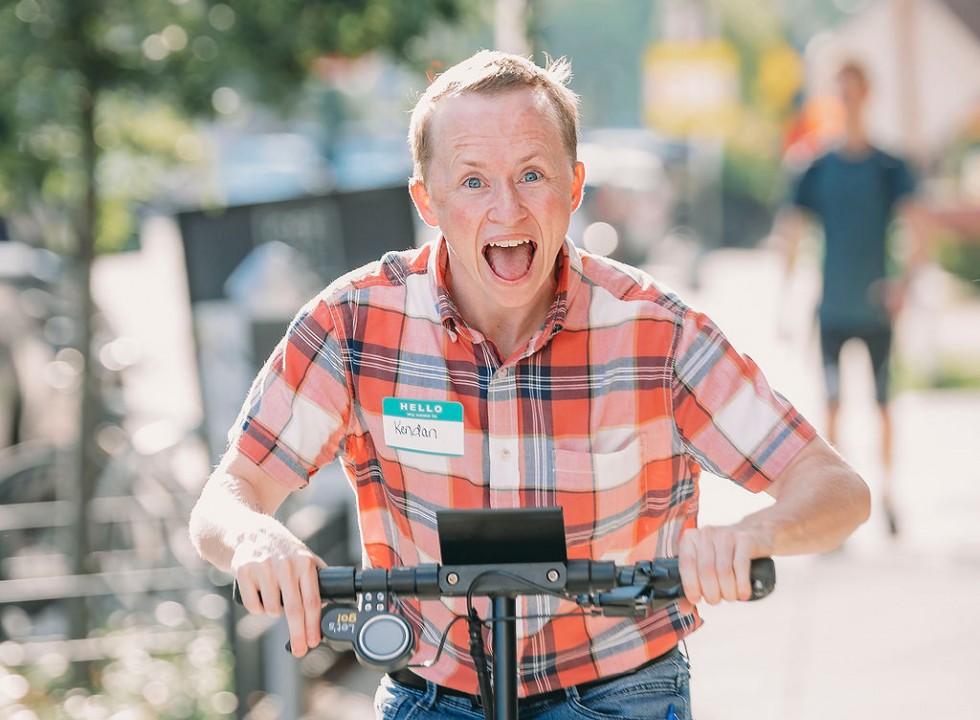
column 423, row 425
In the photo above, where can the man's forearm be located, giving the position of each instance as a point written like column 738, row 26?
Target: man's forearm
column 820, row 501
column 789, row 227
column 233, row 527
column 921, row 229
column 226, row 515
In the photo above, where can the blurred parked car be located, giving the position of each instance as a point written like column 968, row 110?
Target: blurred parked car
column 363, row 159
column 632, row 189
column 262, row 167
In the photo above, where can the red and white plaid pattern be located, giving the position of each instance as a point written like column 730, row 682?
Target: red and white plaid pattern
column 611, row 412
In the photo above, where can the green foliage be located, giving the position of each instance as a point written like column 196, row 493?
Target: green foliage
column 753, row 171
column 950, row 372
column 129, row 63
column 169, row 667
column 961, row 257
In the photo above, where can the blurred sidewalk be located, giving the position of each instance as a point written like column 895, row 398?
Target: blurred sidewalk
column 885, row 628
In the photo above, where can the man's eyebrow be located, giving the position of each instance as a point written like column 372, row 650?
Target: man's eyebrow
column 480, row 163
column 529, row 157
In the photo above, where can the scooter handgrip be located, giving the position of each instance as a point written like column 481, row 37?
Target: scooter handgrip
column 763, row 577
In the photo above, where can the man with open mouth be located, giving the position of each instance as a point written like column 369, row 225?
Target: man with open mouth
column 500, row 186
column 500, row 366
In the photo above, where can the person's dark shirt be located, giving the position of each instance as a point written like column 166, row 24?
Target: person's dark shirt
column 855, row 200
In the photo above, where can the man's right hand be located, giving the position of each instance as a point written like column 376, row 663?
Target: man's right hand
column 233, row 526
column 276, row 574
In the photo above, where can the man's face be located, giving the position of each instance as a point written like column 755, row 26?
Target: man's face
column 501, row 187
column 853, row 91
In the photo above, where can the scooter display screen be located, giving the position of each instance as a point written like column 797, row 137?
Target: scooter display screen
column 499, row 536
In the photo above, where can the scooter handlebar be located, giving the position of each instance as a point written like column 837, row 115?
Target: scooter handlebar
column 659, row 579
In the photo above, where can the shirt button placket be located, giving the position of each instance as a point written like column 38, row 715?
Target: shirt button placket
column 503, row 439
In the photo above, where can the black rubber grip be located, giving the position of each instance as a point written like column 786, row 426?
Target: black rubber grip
column 763, row 575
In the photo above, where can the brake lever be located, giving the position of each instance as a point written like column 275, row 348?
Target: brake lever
column 626, row 601
column 651, row 586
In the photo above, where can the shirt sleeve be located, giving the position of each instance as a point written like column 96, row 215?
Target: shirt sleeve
column 297, row 411
column 902, row 182
column 803, row 192
column 729, row 418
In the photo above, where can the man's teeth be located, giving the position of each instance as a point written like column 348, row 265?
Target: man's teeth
column 508, row 243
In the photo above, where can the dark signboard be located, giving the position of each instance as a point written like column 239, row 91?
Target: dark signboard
column 335, row 233
column 251, row 267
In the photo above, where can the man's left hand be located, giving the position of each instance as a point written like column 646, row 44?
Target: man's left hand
column 715, row 562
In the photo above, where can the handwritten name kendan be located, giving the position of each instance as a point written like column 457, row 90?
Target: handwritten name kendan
column 416, row 431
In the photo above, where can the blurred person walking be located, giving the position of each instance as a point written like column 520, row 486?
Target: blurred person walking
column 856, row 191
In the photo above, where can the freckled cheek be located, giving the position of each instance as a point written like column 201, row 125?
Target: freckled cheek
column 553, row 211
column 462, row 227
column 467, row 222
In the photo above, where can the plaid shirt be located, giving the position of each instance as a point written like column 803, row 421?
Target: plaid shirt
column 610, row 411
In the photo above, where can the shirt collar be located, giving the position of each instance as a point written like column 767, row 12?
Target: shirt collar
column 569, row 276
column 449, row 315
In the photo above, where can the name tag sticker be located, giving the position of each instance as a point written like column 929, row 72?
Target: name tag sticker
column 423, row 425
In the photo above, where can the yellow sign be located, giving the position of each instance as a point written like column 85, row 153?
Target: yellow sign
column 780, row 77
column 692, row 88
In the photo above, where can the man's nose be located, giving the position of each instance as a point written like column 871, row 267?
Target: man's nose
column 508, row 206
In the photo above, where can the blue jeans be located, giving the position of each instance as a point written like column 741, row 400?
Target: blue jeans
column 648, row 693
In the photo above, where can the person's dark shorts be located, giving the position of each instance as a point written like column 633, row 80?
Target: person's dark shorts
column 878, row 341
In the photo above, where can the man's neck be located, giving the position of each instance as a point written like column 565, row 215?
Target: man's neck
column 509, row 329
column 855, row 140
column 508, row 338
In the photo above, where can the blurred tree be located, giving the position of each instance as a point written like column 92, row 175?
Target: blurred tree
column 81, row 82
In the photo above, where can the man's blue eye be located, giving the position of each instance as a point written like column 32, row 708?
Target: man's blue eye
column 473, row 183
column 531, row 176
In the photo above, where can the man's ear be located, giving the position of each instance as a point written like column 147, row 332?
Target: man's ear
column 423, row 202
column 578, row 185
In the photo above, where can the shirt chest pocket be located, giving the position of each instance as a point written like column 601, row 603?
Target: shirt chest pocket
column 603, row 495
column 615, row 502
column 577, row 471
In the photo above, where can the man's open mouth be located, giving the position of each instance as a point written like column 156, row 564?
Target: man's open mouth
column 510, row 259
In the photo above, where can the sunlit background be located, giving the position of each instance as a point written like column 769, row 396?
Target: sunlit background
column 178, row 176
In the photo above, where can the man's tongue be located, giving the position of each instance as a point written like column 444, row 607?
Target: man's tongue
column 510, row 263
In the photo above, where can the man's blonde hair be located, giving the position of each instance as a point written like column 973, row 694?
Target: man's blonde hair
column 490, row 72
